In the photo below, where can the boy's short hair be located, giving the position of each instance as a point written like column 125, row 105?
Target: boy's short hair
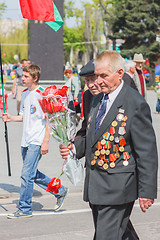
column 34, row 70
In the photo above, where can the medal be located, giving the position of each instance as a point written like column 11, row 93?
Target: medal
column 95, row 157
column 121, row 131
column 97, row 153
column 100, row 163
column 125, row 163
column 105, row 166
column 121, row 149
column 117, row 155
column 123, row 124
column 111, row 138
column 114, row 123
column 116, row 139
column 107, row 152
column 125, row 118
column 112, row 164
column 103, row 141
column 103, row 151
column 126, row 157
column 93, row 162
column 120, row 117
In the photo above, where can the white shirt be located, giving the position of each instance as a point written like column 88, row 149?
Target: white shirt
column 34, row 122
column 111, row 97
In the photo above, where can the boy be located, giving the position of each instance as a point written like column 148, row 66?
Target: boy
column 35, row 139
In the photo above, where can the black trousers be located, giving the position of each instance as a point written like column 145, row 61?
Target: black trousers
column 112, row 222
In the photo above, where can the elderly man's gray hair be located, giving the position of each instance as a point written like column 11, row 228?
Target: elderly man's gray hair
column 129, row 64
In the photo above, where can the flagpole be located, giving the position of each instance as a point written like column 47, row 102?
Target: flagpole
column 5, row 124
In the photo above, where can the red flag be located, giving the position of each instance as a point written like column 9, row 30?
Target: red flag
column 37, row 9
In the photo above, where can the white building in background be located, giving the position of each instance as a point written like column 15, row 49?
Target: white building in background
column 7, row 26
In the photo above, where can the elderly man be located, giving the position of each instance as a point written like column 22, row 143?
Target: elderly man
column 129, row 68
column 120, row 150
column 138, row 76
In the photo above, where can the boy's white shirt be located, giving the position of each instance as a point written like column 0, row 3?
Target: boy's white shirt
column 34, row 121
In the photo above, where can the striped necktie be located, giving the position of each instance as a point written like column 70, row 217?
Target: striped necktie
column 101, row 112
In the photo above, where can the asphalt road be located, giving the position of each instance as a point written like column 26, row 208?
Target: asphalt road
column 74, row 221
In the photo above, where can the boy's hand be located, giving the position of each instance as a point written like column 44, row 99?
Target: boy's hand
column 44, row 147
column 6, row 117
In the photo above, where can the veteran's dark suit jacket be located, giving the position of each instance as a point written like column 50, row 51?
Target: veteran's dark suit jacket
column 122, row 184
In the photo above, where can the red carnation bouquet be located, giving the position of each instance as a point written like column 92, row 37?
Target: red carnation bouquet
column 62, row 120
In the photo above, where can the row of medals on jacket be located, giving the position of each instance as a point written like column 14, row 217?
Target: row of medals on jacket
column 103, row 153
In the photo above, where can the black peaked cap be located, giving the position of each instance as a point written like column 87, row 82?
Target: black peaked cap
column 88, row 69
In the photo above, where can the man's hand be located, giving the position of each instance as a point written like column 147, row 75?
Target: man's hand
column 64, row 151
column 145, row 203
column 44, row 147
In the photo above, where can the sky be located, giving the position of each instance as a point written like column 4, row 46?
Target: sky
column 13, row 10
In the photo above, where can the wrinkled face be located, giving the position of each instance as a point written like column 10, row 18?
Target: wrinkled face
column 132, row 69
column 107, row 81
column 139, row 65
column 90, row 82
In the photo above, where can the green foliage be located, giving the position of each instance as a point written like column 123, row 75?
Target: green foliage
column 137, row 23
column 18, row 37
column 2, row 8
column 78, row 33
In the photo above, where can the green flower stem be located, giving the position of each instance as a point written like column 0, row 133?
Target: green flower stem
column 60, row 174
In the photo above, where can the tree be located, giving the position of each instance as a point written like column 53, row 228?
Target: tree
column 137, row 23
column 2, row 8
column 89, row 24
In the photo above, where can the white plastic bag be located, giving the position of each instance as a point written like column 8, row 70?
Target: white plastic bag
column 73, row 169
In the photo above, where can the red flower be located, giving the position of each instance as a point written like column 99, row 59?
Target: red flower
column 52, row 91
column 54, row 185
column 53, row 99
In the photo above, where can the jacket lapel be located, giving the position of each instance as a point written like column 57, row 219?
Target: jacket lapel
column 118, row 102
column 92, row 116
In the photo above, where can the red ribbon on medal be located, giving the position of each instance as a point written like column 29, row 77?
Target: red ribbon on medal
column 98, row 145
column 112, row 131
column 116, row 148
column 108, row 145
column 126, row 156
column 122, row 142
column 112, row 157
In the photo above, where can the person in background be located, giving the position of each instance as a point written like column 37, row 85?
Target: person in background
column 138, row 76
column 157, row 90
column 120, row 150
column 129, row 68
column 17, row 87
column 73, row 83
column 34, row 144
